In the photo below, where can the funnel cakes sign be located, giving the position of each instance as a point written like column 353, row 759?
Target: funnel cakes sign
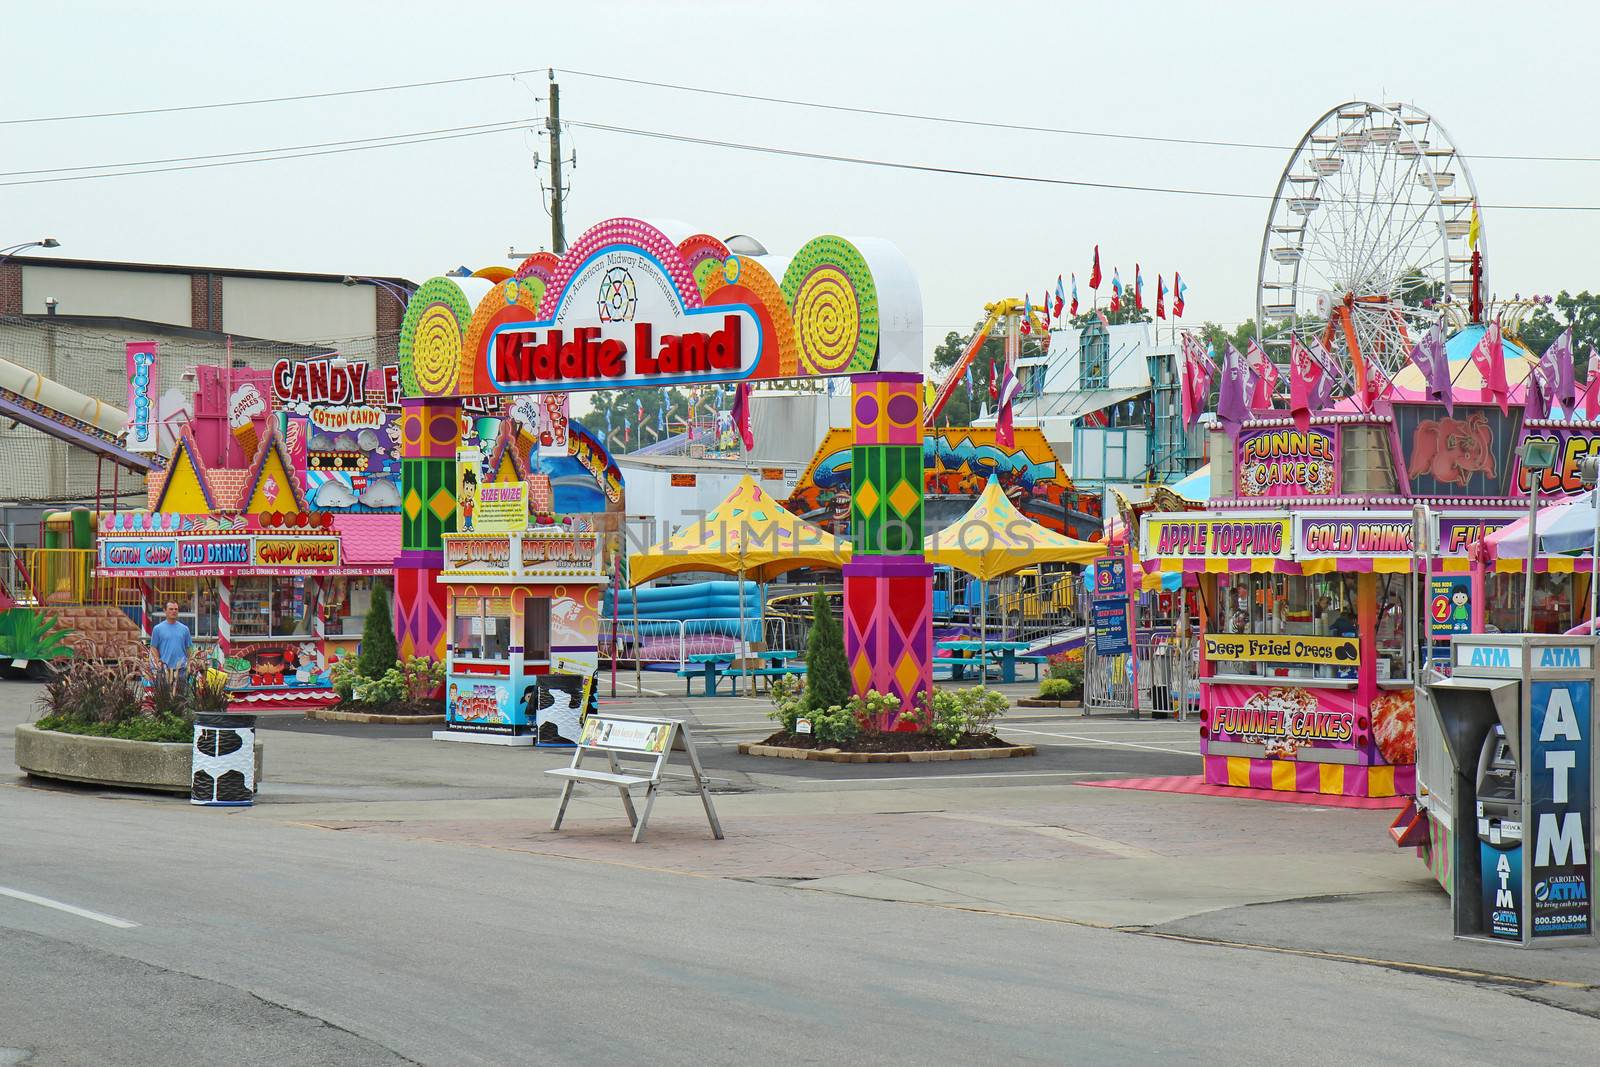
column 1288, row 463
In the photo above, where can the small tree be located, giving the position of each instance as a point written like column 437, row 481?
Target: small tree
column 378, row 649
column 827, row 679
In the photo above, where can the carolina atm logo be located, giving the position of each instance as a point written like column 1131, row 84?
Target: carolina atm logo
column 1563, row 889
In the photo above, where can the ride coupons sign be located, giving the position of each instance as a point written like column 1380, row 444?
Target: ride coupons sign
column 1287, row 463
column 622, row 322
column 1216, row 538
column 1283, row 648
column 1561, row 807
column 1110, row 619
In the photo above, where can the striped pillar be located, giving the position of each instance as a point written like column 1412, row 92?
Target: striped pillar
column 888, row 586
column 225, row 615
column 147, row 606
column 430, row 429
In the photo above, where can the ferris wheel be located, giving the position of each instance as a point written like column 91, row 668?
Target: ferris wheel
column 1367, row 236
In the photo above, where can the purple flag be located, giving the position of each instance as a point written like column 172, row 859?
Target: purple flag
column 1564, row 386
column 1233, row 405
column 1322, row 390
column 1430, row 358
column 1537, row 389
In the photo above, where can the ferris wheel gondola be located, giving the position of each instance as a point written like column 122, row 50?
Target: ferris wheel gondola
column 1367, row 236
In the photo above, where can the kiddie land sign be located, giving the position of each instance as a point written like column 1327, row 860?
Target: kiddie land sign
column 621, row 322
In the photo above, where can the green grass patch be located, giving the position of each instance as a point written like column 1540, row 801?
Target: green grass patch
column 165, row 728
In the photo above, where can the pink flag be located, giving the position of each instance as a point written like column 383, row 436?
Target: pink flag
column 741, row 415
column 1186, row 382
column 1591, row 390
column 1489, row 356
column 1265, row 374
column 1378, row 385
column 1305, row 373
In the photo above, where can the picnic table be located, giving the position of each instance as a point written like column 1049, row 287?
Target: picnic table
column 711, row 669
column 1006, row 652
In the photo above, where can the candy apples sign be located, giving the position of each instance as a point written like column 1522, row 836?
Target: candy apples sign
column 622, row 322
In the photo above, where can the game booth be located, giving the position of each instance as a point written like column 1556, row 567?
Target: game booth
column 1314, row 613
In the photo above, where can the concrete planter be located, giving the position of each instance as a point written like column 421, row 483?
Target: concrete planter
column 833, row 755
column 161, row 766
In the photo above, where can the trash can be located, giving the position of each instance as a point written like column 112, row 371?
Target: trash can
column 224, row 760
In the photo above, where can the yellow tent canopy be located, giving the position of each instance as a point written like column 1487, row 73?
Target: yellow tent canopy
column 749, row 533
column 993, row 539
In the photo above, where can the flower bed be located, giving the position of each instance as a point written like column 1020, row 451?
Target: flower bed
column 951, row 720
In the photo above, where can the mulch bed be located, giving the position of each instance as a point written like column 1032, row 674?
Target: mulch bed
column 896, row 741
column 391, row 714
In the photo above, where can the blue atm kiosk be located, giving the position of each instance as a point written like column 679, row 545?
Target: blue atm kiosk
column 1517, row 720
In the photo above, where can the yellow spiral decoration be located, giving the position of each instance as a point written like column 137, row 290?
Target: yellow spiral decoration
column 834, row 303
column 827, row 319
column 436, row 351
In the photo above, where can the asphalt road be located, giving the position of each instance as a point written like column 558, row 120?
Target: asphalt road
column 265, row 942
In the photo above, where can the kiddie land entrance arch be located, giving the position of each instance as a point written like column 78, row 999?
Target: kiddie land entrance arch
column 632, row 304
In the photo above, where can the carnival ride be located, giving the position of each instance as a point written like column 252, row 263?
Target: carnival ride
column 1010, row 311
column 1370, row 230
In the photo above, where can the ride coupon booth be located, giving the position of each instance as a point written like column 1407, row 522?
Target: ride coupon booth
column 523, row 626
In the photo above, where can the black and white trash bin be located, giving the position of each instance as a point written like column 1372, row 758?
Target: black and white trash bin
column 224, row 760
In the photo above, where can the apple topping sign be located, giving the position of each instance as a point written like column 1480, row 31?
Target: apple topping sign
column 621, row 321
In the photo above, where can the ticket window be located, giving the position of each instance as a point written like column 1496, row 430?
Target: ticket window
column 272, row 607
column 198, row 601
column 536, row 630
column 1557, row 607
column 482, row 628
column 1311, row 605
column 1394, row 651
column 346, row 604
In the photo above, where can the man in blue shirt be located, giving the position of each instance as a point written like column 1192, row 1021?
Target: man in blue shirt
column 170, row 642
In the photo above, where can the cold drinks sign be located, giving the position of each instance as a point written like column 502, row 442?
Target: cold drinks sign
column 621, row 322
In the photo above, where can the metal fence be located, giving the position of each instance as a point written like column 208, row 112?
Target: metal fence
column 674, row 641
column 1163, row 667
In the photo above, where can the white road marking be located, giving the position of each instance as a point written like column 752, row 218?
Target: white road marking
column 82, row 913
column 1169, row 749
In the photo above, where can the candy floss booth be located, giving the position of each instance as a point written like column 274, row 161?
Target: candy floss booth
column 1308, row 574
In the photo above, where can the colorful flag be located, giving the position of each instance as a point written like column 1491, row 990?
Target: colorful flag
column 1094, row 274
column 1566, row 390
column 1591, row 390
column 1474, row 228
column 1061, row 297
column 1101, row 315
column 1138, row 288
column 1161, row 298
column 1378, row 386
column 1186, row 379
column 1073, row 307
column 1178, row 289
column 1116, row 289
column 1233, row 404
column 1263, row 372
column 1027, row 313
column 741, row 415
column 1304, row 375
column 1004, row 435
column 1429, row 356
column 1489, row 356
column 1322, row 395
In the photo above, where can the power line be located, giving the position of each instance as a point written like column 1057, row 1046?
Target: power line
column 263, row 100
column 515, row 127
column 487, row 126
column 997, row 175
column 1014, row 126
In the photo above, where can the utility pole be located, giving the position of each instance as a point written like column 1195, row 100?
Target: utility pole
column 558, row 229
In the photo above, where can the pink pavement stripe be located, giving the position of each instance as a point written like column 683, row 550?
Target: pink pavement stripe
column 1192, row 783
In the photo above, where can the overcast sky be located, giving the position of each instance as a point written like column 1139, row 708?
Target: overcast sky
column 1503, row 80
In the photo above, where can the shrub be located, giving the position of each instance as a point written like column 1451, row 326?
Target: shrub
column 1060, row 689
column 146, row 728
column 1066, row 664
column 835, row 725
column 422, row 678
column 378, row 649
column 343, row 673
column 827, row 678
column 387, row 688
column 954, row 713
column 788, row 696
column 86, row 691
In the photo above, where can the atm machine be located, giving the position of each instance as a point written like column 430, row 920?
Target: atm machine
column 1515, row 722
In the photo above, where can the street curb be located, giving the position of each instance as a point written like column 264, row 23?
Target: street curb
column 833, row 755
column 330, row 715
column 1034, row 702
